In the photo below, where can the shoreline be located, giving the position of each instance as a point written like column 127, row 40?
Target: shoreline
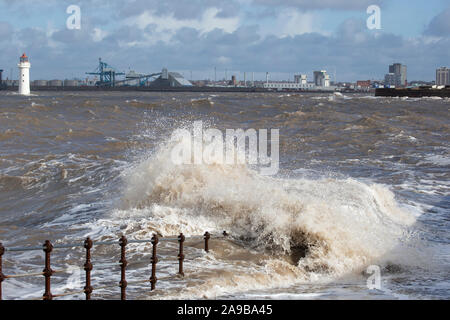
column 172, row 89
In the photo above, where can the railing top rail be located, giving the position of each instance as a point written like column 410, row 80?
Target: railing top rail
column 111, row 242
column 24, row 248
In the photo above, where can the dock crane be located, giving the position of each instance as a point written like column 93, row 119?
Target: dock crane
column 107, row 74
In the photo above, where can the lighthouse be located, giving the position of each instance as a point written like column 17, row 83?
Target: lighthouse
column 24, row 75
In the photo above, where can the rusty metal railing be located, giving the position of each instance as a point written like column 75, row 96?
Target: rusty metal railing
column 88, row 244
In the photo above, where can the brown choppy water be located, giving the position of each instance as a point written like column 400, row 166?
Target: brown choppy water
column 363, row 181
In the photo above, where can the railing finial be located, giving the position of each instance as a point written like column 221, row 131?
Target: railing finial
column 2, row 276
column 181, row 239
column 154, row 261
column 123, row 282
column 88, row 268
column 48, row 272
column 207, row 236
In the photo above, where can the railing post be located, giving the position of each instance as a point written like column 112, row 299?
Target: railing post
column 123, row 282
column 181, row 239
column 48, row 247
column 2, row 276
column 88, row 268
column 207, row 236
column 154, row 261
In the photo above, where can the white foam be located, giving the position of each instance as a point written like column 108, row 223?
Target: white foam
column 346, row 224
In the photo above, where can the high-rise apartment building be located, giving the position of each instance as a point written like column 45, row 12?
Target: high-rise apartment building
column 443, row 76
column 397, row 75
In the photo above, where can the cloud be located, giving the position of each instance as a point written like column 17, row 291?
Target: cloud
column 167, row 25
column 98, row 34
column 223, row 60
column 180, row 9
column 291, row 22
column 440, row 25
column 320, row 4
column 33, row 37
column 5, row 31
column 284, row 38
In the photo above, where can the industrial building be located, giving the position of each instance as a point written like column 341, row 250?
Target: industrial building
column 2, row 85
column 289, row 86
column 135, row 79
column 40, row 83
column 166, row 79
column 11, row 83
column 443, row 76
column 55, row 83
column 397, row 76
column 363, row 83
column 71, row 83
column 321, row 83
column 321, row 79
column 170, row 79
column 301, row 78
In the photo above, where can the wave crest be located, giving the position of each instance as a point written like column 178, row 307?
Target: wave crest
column 326, row 225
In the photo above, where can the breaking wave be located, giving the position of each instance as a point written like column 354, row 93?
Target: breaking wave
column 327, row 226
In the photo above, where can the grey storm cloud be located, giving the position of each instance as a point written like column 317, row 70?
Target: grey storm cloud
column 440, row 25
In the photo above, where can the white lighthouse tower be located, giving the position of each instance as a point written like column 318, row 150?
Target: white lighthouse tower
column 24, row 75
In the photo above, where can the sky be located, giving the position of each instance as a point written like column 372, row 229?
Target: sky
column 194, row 37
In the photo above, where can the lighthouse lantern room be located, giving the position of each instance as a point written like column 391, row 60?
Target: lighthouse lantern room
column 24, row 75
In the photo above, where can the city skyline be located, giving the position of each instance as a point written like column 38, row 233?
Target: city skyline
column 395, row 78
column 283, row 38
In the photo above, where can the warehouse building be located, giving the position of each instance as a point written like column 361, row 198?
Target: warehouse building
column 170, row 79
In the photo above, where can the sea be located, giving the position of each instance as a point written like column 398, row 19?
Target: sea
column 359, row 208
